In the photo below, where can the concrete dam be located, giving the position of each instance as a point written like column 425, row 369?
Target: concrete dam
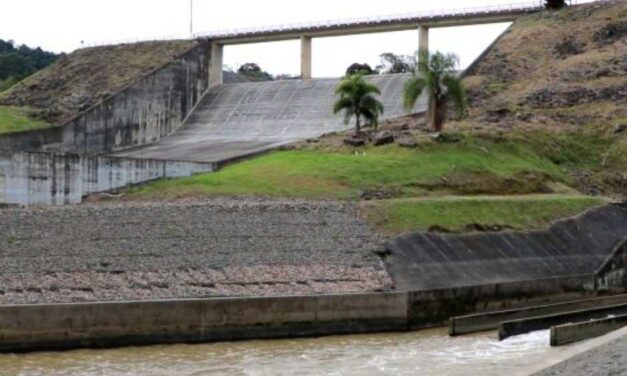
column 142, row 133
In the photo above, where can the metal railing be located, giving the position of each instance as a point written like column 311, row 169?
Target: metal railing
column 392, row 18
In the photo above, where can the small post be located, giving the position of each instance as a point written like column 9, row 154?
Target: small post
column 305, row 57
column 216, row 64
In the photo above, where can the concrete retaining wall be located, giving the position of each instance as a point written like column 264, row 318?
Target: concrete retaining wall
column 437, row 306
column 115, row 324
column 64, row 326
column 142, row 113
column 48, row 178
column 569, row 333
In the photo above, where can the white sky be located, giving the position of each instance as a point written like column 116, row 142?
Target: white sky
column 61, row 25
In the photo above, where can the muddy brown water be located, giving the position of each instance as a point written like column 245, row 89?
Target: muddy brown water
column 429, row 352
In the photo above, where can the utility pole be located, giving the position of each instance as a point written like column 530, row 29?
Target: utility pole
column 191, row 19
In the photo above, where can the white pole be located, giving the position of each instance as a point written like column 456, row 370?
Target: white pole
column 191, row 18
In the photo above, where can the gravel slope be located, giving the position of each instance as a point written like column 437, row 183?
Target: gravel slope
column 191, row 249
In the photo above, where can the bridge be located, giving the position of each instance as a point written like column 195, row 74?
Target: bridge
column 421, row 22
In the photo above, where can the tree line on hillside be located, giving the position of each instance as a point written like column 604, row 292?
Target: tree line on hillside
column 20, row 61
column 389, row 64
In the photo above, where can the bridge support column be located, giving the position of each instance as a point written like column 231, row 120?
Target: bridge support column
column 305, row 57
column 423, row 42
column 216, row 62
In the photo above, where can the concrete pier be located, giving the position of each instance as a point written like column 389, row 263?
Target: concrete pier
column 305, row 58
column 423, row 41
column 216, row 63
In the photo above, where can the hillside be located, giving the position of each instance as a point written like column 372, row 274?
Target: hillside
column 563, row 75
column 83, row 78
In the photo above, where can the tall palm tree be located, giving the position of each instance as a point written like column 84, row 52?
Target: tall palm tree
column 357, row 99
column 436, row 74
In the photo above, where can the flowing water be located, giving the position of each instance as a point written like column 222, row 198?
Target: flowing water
column 429, row 352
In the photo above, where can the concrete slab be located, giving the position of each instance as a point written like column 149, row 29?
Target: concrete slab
column 234, row 120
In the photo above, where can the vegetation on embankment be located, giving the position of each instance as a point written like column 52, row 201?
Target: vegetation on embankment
column 14, row 119
column 472, row 165
column 479, row 213
column 564, row 72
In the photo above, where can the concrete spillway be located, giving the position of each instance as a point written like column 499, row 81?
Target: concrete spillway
column 572, row 247
column 234, row 120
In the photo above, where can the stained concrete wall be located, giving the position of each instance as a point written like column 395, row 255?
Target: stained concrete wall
column 138, row 323
column 63, row 326
column 436, row 306
column 142, row 113
column 49, row 178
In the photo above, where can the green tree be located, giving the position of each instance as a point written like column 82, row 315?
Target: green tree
column 437, row 76
column 554, row 4
column 392, row 63
column 357, row 99
column 254, row 72
column 363, row 69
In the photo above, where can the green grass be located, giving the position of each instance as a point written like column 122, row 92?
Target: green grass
column 345, row 174
column 13, row 119
column 454, row 213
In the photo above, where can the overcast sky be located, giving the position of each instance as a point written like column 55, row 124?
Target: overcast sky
column 61, row 25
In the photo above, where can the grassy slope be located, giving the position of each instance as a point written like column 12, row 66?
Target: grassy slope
column 454, row 213
column 345, row 174
column 18, row 119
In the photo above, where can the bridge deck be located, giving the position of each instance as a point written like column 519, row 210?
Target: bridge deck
column 237, row 119
column 398, row 22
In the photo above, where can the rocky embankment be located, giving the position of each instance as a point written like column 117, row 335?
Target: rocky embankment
column 186, row 250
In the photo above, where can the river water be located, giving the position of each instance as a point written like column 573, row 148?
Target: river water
column 429, row 352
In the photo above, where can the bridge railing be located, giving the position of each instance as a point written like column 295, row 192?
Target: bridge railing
column 488, row 9
column 392, row 18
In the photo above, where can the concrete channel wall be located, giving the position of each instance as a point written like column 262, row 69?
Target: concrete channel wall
column 491, row 320
column 144, row 112
column 569, row 333
column 65, row 326
column 49, row 178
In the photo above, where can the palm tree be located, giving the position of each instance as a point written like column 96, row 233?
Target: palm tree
column 436, row 74
column 357, row 99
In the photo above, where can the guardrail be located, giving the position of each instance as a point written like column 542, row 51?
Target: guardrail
column 392, row 18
